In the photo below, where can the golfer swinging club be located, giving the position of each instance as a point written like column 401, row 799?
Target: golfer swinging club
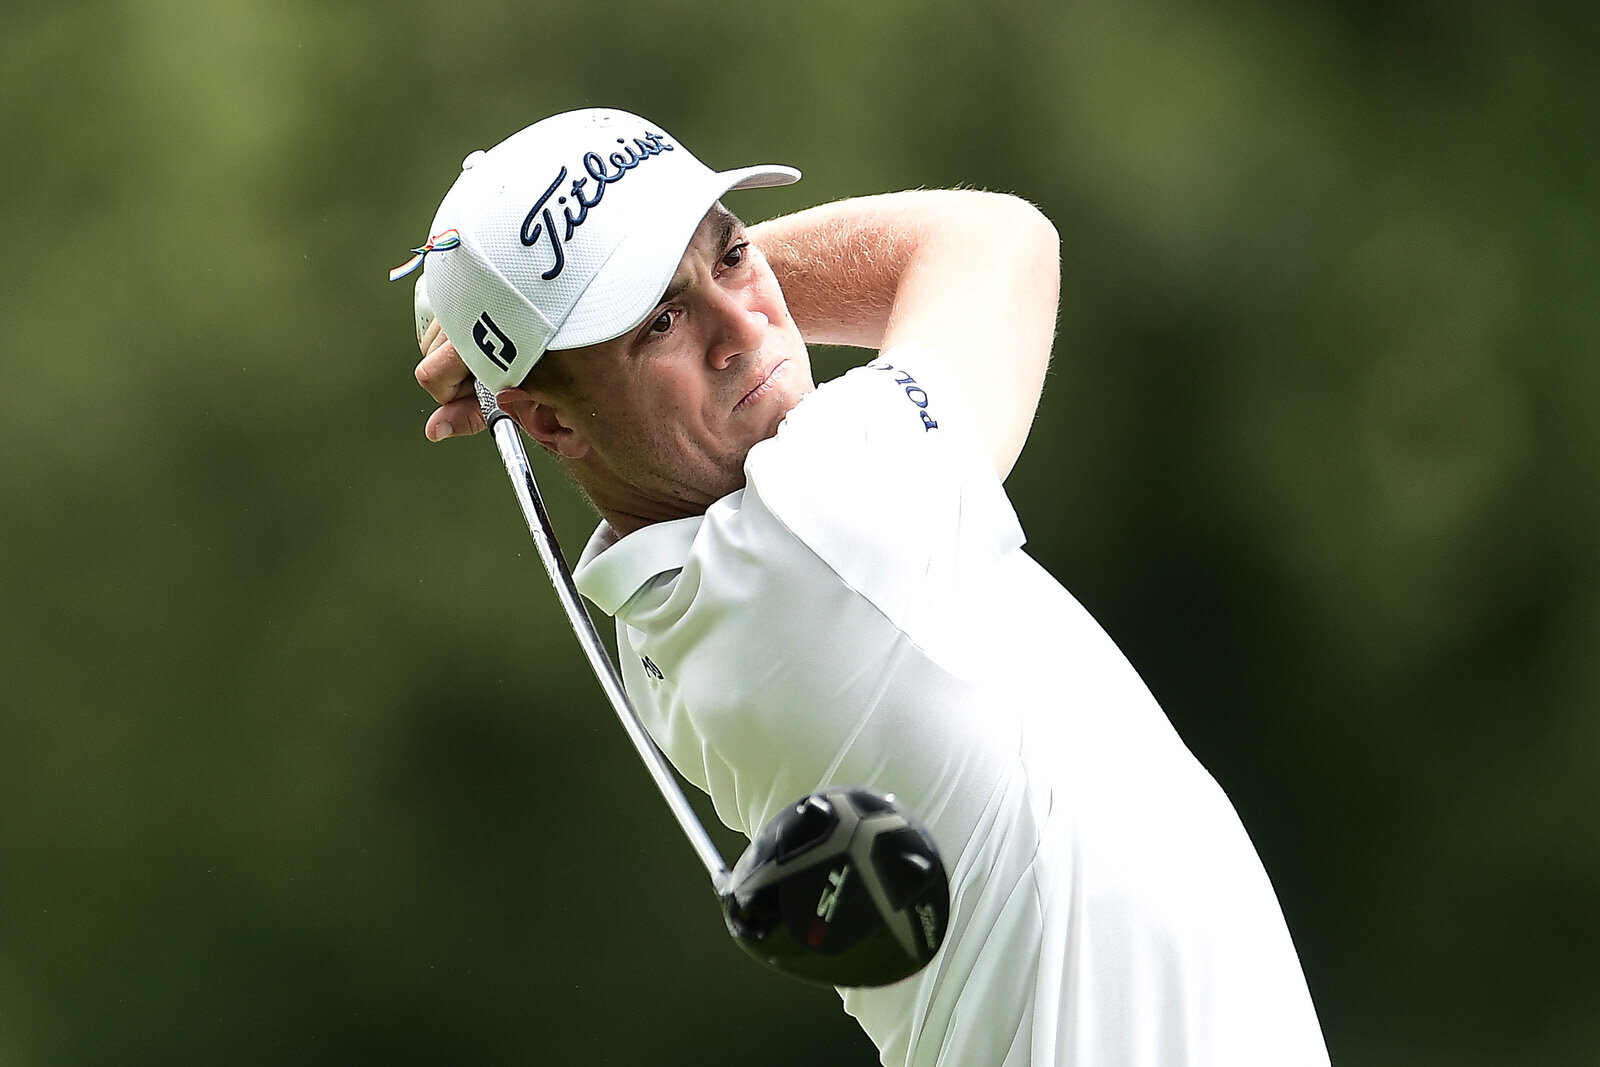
column 827, row 585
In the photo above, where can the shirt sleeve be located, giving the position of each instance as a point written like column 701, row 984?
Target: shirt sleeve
column 884, row 476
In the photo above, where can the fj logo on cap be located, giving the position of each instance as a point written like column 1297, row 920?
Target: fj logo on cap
column 497, row 347
column 541, row 222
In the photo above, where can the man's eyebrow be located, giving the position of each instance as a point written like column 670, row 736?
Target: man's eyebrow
column 674, row 289
column 727, row 223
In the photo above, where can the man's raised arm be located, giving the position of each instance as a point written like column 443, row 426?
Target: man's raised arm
column 974, row 275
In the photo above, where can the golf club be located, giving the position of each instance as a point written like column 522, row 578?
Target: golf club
column 844, row 887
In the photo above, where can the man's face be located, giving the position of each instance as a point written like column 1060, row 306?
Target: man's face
column 664, row 415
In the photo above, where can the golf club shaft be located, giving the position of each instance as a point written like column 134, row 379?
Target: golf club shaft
column 520, row 471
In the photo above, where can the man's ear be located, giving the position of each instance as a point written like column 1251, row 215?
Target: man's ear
column 544, row 422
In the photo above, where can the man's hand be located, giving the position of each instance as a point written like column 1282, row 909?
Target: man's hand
column 446, row 378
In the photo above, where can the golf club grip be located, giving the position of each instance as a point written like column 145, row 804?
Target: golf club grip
column 486, row 404
column 520, row 471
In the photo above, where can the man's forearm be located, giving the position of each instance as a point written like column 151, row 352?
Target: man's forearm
column 839, row 265
column 973, row 274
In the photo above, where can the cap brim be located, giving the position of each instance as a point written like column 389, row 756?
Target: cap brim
column 765, row 176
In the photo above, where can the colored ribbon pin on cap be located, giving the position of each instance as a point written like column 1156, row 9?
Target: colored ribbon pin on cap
column 442, row 242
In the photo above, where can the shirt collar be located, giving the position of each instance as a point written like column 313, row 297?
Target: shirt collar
column 612, row 569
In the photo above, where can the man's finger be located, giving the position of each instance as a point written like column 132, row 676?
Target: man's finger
column 443, row 374
column 458, row 418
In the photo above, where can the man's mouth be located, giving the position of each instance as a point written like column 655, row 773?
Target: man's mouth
column 764, row 386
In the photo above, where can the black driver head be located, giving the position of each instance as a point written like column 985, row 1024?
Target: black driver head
column 844, row 887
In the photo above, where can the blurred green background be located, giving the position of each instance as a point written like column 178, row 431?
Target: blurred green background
column 299, row 763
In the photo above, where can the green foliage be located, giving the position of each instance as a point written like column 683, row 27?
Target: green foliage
column 298, row 761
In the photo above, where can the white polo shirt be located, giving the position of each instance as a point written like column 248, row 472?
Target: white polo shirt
column 862, row 613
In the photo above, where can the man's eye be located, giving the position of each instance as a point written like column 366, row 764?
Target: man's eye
column 662, row 322
column 736, row 255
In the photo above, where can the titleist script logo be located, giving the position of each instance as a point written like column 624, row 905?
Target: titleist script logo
column 830, row 896
column 541, row 221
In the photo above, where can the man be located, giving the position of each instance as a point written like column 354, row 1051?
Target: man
column 827, row 585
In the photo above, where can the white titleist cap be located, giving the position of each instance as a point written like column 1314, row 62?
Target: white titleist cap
column 565, row 234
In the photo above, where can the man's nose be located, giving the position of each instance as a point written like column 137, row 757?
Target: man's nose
column 740, row 329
